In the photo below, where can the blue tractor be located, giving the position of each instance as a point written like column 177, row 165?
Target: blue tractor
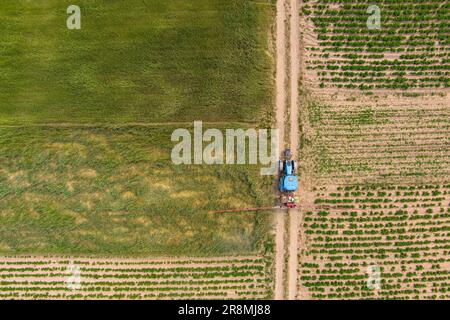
column 288, row 183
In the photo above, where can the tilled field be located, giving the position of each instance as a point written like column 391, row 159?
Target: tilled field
column 375, row 143
column 375, row 101
column 85, row 278
column 409, row 49
column 397, row 141
column 404, row 231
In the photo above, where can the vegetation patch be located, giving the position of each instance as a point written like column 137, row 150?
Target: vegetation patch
column 116, row 191
column 134, row 60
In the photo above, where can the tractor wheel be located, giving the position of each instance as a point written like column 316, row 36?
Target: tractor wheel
column 280, row 166
column 294, row 166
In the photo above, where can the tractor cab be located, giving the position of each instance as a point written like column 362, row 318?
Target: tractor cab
column 288, row 173
column 288, row 178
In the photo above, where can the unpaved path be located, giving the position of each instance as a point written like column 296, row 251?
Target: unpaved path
column 280, row 117
column 294, row 215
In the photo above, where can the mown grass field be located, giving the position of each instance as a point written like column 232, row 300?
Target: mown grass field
column 139, row 61
column 78, row 175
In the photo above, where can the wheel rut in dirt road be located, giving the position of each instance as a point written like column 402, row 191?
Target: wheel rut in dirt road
column 280, row 123
column 294, row 214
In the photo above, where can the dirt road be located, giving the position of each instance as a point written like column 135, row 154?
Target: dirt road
column 294, row 215
column 285, row 9
column 280, row 117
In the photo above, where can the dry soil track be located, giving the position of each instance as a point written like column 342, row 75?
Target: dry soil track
column 287, row 10
column 294, row 215
column 280, row 118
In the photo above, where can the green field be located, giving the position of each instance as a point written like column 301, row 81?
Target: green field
column 136, row 61
column 78, row 175
column 116, row 191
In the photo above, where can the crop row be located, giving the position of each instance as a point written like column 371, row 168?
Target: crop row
column 405, row 52
column 58, row 278
column 370, row 144
column 407, row 249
